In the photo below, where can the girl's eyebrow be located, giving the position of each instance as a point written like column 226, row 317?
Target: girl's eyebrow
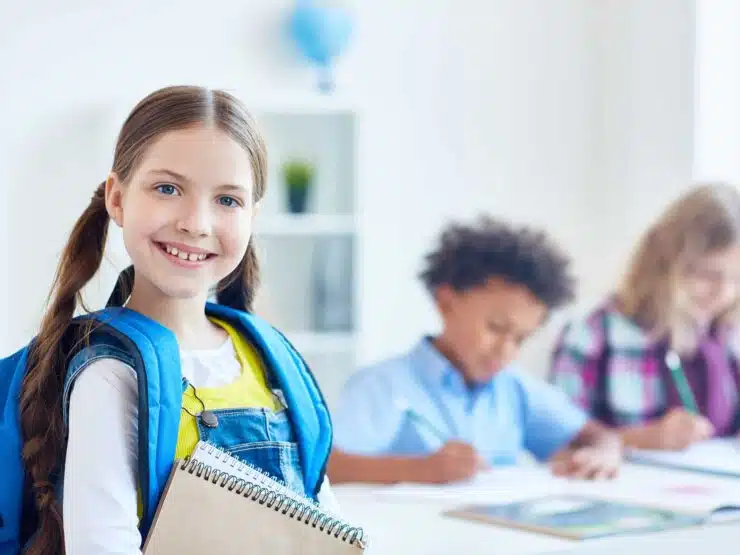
column 236, row 188
column 180, row 177
column 171, row 174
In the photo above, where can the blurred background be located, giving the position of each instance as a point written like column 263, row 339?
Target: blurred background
column 582, row 116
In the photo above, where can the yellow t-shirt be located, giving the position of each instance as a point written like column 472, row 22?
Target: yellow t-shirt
column 250, row 390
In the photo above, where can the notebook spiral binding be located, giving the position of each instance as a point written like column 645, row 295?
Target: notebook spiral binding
column 279, row 499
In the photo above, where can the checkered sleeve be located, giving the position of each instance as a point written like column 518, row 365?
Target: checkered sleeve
column 577, row 358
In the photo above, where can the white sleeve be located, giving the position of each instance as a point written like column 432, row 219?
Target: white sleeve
column 100, row 477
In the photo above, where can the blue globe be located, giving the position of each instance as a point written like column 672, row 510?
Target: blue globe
column 321, row 34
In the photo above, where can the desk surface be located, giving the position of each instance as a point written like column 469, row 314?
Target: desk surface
column 407, row 519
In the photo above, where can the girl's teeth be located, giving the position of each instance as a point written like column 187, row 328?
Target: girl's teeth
column 191, row 256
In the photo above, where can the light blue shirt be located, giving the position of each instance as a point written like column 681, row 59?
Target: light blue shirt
column 502, row 418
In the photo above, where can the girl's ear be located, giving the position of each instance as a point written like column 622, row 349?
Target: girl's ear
column 114, row 198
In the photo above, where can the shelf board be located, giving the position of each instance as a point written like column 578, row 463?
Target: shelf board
column 309, row 104
column 322, row 342
column 305, row 224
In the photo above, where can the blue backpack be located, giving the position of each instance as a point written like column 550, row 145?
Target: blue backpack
column 156, row 354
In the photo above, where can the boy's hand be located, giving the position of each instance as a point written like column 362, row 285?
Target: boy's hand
column 589, row 462
column 454, row 461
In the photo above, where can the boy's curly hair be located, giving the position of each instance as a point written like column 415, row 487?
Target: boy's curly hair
column 469, row 255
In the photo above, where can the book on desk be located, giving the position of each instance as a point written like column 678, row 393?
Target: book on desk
column 580, row 517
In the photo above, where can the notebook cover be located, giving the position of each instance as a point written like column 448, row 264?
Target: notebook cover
column 575, row 517
column 198, row 516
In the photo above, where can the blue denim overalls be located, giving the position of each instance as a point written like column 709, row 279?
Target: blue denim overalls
column 261, row 437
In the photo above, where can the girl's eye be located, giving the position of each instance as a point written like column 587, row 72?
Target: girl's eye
column 229, row 202
column 167, row 189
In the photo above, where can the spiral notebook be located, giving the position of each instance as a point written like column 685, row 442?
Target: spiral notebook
column 215, row 503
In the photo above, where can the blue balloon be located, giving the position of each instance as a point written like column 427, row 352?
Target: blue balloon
column 321, row 33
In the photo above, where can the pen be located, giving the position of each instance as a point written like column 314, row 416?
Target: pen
column 404, row 407
column 682, row 384
column 482, row 456
column 443, row 438
column 427, row 423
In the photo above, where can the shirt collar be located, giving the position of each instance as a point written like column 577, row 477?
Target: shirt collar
column 435, row 367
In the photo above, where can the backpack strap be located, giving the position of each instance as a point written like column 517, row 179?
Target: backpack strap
column 152, row 351
column 313, row 427
column 12, row 372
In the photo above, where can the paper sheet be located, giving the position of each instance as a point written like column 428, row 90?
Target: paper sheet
column 498, row 484
column 652, row 485
column 714, row 456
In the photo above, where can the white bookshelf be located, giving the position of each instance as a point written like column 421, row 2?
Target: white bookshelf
column 324, row 131
column 309, row 343
column 269, row 103
column 305, row 224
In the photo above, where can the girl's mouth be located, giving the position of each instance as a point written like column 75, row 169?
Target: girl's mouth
column 185, row 257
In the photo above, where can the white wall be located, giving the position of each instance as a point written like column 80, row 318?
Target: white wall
column 643, row 124
column 482, row 109
column 5, row 265
column 541, row 111
column 717, row 118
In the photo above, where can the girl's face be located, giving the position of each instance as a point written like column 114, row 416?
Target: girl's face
column 186, row 212
column 711, row 285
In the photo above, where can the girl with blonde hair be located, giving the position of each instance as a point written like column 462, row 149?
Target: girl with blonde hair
column 659, row 359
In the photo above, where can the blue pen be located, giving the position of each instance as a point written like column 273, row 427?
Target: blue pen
column 673, row 361
column 404, row 407
column 428, row 424
column 443, row 438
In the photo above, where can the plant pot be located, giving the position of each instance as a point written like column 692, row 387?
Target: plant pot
column 297, row 199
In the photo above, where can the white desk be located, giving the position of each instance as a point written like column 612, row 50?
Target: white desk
column 409, row 521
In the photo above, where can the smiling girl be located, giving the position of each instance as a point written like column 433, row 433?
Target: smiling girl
column 99, row 430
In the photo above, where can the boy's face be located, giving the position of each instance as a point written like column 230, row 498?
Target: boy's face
column 485, row 326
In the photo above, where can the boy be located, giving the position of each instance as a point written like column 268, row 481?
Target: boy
column 453, row 404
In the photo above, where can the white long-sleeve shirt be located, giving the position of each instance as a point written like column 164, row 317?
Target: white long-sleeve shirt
column 100, row 474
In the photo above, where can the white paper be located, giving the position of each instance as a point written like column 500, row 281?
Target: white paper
column 711, row 456
column 501, row 484
column 693, row 492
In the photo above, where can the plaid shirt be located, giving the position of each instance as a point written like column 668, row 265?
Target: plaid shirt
column 611, row 368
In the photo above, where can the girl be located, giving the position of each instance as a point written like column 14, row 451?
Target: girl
column 188, row 174
column 659, row 359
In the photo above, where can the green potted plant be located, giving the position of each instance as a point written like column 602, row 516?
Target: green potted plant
column 298, row 176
